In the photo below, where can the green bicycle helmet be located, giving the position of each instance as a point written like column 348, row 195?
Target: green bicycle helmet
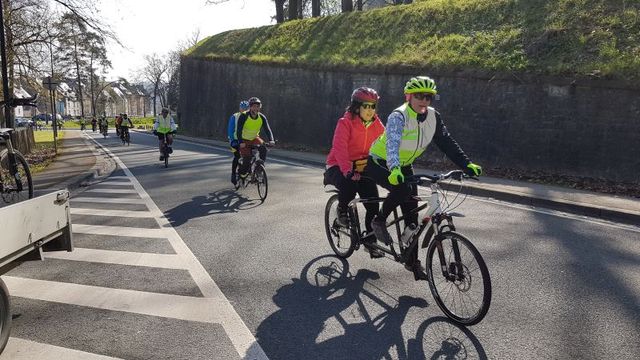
column 420, row 84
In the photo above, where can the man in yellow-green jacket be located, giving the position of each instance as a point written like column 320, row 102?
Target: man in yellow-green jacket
column 410, row 129
column 248, row 134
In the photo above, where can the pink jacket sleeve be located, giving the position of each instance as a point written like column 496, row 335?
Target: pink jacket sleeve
column 341, row 144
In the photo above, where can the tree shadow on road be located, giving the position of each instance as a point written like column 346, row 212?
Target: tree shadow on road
column 218, row 202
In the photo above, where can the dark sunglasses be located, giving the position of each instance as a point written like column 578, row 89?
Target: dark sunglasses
column 423, row 96
column 369, row 106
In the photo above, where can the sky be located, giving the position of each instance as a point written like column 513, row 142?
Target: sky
column 156, row 26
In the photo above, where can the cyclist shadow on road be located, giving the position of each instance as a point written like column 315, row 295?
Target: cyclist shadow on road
column 441, row 338
column 218, row 202
column 328, row 314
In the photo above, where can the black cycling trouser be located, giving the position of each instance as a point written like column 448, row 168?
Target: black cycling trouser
column 399, row 195
column 347, row 189
column 234, row 162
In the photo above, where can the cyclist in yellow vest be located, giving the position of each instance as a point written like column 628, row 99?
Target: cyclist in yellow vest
column 233, row 141
column 410, row 128
column 164, row 126
column 248, row 133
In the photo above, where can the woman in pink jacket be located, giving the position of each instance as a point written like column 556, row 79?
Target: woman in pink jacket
column 354, row 134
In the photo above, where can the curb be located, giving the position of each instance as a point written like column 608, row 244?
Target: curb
column 590, row 210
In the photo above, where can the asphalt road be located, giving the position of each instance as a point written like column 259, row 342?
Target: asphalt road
column 563, row 286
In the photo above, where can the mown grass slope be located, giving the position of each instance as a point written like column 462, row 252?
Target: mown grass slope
column 553, row 37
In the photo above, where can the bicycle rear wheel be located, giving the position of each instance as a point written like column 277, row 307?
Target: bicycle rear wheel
column 458, row 278
column 339, row 237
column 261, row 181
column 11, row 191
column 166, row 156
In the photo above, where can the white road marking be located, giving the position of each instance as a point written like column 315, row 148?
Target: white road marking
column 120, row 231
column 164, row 261
column 20, row 349
column 240, row 336
column 112, row 183
column 118, row 213
column 108, row 200
column 112, row 191
column 200, row 309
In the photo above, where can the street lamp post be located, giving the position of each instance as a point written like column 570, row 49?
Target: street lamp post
column 5, row 79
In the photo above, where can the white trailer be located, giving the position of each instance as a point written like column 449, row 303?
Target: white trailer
column 27, row 229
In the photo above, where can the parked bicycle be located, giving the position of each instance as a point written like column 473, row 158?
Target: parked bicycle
column 257, row 174
column 16, row 183
column 457, row 275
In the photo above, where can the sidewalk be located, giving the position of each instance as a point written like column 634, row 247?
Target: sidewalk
column 78, row 161
column 607, row 207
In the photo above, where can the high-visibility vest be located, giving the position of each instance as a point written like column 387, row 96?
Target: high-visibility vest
column 416, row 136
column 251, row 128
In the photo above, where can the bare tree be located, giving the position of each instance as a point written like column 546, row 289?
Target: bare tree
column 155, row 72
column 279, row 11
column 347, row 5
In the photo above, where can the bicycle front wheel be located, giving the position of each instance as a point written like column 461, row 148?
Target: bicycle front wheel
column 339, row 237
column 18, row 187
column 261, row 182
column 458, row 278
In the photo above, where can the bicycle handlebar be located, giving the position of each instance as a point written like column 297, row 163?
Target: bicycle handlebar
column 425, row 180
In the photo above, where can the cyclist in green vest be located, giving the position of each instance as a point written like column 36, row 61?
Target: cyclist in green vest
column 410, row 128
column 248, row 133
column 164, row 126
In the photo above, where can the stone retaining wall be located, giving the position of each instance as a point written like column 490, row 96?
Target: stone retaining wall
column 581, row 128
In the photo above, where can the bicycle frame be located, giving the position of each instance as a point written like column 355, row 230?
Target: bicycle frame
column 431, row 221
column 254, row 157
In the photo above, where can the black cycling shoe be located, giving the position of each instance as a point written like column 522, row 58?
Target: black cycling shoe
column 380, row 229
column 417, row 270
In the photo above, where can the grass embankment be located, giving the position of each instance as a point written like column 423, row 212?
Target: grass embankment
column 44, row 152
column 552, row 37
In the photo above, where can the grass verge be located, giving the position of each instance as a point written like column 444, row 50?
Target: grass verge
column 44, row 151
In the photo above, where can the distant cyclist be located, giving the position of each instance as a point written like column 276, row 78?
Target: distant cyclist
column 355, row 132
column 410, row 129
column 233, row 141
column 117, row 123
column 104, row 124
column 248, row 134
column 163, row 127
column 124, row 126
